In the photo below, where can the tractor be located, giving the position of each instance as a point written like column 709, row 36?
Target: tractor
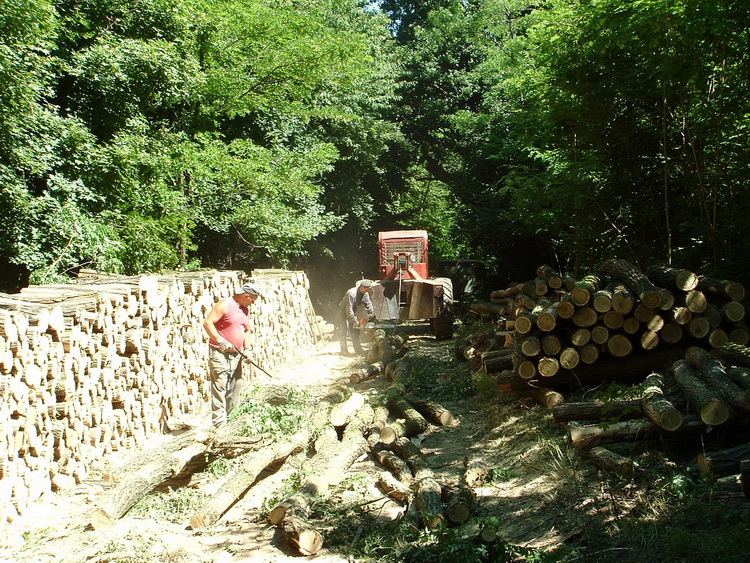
column 404, row 291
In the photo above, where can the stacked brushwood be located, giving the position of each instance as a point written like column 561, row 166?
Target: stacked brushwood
column 100, row 365
column 564, row 329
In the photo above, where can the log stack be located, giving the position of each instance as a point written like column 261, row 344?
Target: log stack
column 100, row 365
column 618, row 311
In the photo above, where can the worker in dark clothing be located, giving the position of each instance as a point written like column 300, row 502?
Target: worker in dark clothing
column 356, row 297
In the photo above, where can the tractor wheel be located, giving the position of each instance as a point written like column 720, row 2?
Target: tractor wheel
column 442, row 324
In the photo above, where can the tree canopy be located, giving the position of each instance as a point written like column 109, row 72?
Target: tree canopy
column 144, row 135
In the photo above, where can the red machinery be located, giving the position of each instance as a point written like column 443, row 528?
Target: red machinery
column 405, row 291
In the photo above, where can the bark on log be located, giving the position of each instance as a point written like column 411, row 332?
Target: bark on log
column 723, row 462
column 138, row 484
column 702, row 398
column 394, row 488
column 396, row 465
column 735, row 354
column 634, row 279
column 722, row 289
column 716, row 376
column 585, row 288
column 613, row 410
column 658, row 408
column 242, row 478
column 428, row 491
column 414, row 422
column 740, row 376
column 433, row 411
column 607, row 460
column 548, row 398
column 459, row 503
column 672, row 278
column 586, row 437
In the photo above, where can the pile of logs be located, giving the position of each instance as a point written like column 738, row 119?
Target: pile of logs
column 692, row 395
column 560, row 326
column 91, row 367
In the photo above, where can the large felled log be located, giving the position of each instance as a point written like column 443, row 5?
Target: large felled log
column 138, row 484
column 548, row 398
column 716, row 376
column 658, row 408
column 637, row 366
column 459, row 502
column 242, row 477
column 612, row 410
column 428, row 491
column 586, row 437
column 394, row 488
column 702, row 398
column 432, row 411
column 634, row 279
column 735, row 354
column 623, row 299
column 740, row 376
column 398, row 466
column 672, row 278
column 414, row 422
column 722, row 289
column 723, row 462
column 321, row 472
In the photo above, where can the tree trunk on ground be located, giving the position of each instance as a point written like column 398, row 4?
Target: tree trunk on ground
column 427, row 490
column 586, row 437
column 459, row 503
column 397, row 466
column 607, row 460
column 722, row 289
column 243, row 477
column 432, row 411
column 141, row 482
column 702, row 398
column 657, row 407
column 415, row 423
column 735, row 354
column 716, row 376
column 613, row 410
column 394, row 488
column 547, row 397
column 723, row 462
column 672, row 278
column 547, row 273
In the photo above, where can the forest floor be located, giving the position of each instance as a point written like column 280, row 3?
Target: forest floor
column 545, row 500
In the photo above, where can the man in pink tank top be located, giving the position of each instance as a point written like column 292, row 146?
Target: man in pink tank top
column 227, row 326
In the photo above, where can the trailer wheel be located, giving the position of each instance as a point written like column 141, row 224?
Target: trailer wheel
column 442, row 324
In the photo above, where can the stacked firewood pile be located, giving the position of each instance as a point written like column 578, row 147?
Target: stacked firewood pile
column 100, row 365
column 552, row 328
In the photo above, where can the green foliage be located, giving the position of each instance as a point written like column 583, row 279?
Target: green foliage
column 174, row 505
column 259, row 417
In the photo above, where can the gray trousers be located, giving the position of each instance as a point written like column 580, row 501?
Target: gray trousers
column 225, row 371
column 344, row 330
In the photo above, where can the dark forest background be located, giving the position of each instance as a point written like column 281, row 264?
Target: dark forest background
column 153, row 135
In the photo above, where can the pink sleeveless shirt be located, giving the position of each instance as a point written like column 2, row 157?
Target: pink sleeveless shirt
column 233, row 324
